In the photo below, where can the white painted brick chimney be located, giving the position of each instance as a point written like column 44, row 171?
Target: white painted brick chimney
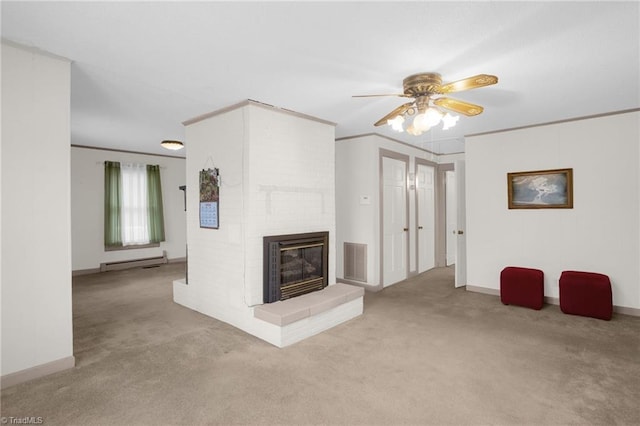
column 277, row 172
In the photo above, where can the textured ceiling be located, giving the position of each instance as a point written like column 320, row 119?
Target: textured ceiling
column 140, row 69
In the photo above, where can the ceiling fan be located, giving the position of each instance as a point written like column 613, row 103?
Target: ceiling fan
column 426, row 90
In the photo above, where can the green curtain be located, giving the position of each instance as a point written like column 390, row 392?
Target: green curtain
column 156, row 215
column 112, row 204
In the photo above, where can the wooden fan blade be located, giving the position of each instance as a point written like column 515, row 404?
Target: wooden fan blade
column 459, row 106
column 372, row 96
column 400, row 110
column 469, row 83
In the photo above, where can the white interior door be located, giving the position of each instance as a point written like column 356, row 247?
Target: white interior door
column 395, row 227
column 461, row 232
column 425, row 190
column 451, row 216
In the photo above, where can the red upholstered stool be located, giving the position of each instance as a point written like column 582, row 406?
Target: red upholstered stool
column 586, row 293
column 522, row 287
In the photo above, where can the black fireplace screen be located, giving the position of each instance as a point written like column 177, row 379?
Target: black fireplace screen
column 294, row 265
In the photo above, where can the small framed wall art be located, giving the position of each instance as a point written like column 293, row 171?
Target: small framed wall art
column 541, row 189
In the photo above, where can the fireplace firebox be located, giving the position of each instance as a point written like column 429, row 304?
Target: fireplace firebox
column 294, row 265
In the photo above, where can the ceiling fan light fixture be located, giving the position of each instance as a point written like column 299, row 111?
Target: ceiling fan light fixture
column 396, row 123
column 413, row 131
column 172, row 145
column 427, row 89
column 424, row 121
column 448, row 121
column 432, row 117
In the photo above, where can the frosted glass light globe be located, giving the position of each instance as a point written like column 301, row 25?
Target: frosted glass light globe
column 448, row 121
column 396, row 123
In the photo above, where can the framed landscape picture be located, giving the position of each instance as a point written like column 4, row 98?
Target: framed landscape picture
column 541, row 189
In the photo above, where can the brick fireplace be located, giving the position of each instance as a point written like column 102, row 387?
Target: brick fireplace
column 277, row 171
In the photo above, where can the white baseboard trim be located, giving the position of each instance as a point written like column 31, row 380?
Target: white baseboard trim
column 624, row 310
column 97, row 270
column 555, row 300
column 483, row 290
column 38, row 371
column 85, row 272
column 552, row 300
column 369, row 287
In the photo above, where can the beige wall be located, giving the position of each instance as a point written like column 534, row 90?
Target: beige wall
column 36, row 230
column 357, row 176
column 601, row 232
column 87, row 207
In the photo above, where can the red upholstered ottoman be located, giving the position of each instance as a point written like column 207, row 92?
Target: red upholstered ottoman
column 586, row 293
column 522, row 287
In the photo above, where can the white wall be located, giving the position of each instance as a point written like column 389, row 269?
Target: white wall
column 600, row 234
column 277, row 177
column 87, row 207
column 36, row 230
column 358, row 174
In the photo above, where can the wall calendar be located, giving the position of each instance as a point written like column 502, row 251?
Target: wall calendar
column 209, row 198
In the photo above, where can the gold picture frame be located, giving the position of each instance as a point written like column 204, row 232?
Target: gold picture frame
column 540, row 189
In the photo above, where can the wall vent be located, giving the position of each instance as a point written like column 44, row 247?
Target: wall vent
column 355, row 262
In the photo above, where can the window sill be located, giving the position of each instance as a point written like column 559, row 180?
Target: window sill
column 132, row 247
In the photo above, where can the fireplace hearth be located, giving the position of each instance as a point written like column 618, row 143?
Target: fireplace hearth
column 294, row 265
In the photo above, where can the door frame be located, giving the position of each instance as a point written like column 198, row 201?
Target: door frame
column 441, row 218
column 400, row 157
column 461, row 224
column 421, row 161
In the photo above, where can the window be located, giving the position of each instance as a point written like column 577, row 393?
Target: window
column 133, row 213
column 134, row 209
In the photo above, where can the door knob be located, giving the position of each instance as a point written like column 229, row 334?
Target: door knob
column 405, row 229
column 460, row 232
column 419, row 227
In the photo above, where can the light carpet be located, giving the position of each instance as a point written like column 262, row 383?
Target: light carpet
column 423, row 353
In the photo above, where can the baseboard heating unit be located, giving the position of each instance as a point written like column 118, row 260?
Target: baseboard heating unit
column 134, row 263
